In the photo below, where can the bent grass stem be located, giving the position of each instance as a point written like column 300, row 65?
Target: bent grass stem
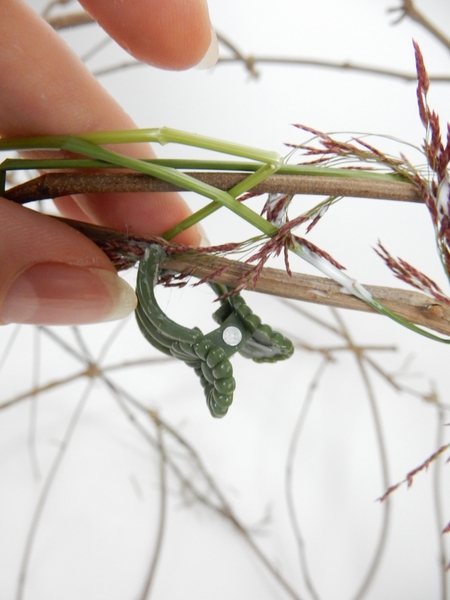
column 173, row 176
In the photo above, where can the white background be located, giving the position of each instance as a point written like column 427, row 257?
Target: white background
column 97, row 532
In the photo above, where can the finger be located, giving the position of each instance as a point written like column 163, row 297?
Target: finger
column 51, row 275
column 134, row 213
column 172, row 34
column 47, row 90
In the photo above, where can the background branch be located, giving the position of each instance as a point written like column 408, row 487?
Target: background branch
column 71, row 20
column 250, row 61
column 408, row 9
column 329, row 64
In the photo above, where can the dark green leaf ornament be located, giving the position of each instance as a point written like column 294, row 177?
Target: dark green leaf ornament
column 240, row 331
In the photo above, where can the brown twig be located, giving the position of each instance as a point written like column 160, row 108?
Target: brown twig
column 382, row 450
column 250, row 61
column 438, row 485
column 45, row 492
column 70, row 20
column 289, row 477
column 54, row 185
column 188, row 480
column 293, row 62
column 331, row 64
column 224, row 508
column 213, row 498
column 408, row 9
column 413, row 306
column 391, row 378
column 162, row 515
column 124, row 250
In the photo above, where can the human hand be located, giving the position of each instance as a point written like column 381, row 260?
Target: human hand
column 50, row 273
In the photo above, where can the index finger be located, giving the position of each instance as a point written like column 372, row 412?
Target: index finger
column 46, row 89
column 171, row 34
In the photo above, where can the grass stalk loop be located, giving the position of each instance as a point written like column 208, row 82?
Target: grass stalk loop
column 170, row 175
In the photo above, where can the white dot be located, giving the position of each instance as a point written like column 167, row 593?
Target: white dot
column 232, row 335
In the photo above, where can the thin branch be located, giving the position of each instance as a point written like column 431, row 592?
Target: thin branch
column 289, row 492
column 250, row 61
column 9, row 345
column 95, row 49
column 45, row 492
column 51, row 5
column 89, row 372
column 44, row 388
column 226, row 511
column 124, row 250
column 70, row 20
column 36, row 368
column 413, row 306
column 162, row 515
column 54, row 185
column 331, row 64
column 438, row 508
column 187, row 483
column 391, row 379
column 120, row 66
column 382, row 540
column 54, row 469
column 327, row 351
column 292, row 62
column 408, row 9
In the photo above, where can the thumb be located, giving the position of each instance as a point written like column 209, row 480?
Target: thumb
column 51, row 274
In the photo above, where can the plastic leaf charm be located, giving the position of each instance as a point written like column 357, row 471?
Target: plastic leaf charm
column 240, row 331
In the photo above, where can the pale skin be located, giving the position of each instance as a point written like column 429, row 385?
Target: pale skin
column 49, row 273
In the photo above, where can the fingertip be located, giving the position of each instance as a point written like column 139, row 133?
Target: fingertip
column 61, row 294
column 212, row 54
column 54, row 274
column 173, row 34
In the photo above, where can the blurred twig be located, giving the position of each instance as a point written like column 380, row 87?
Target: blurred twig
column 250, row 61
column 195, row 482
column 329, row 64
column 46, row 489
column 71, row 20
column 438, row 500
column 162, row 514
column 382, row 450
column 408, row 9
column 289, row 476
column 213, row 498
